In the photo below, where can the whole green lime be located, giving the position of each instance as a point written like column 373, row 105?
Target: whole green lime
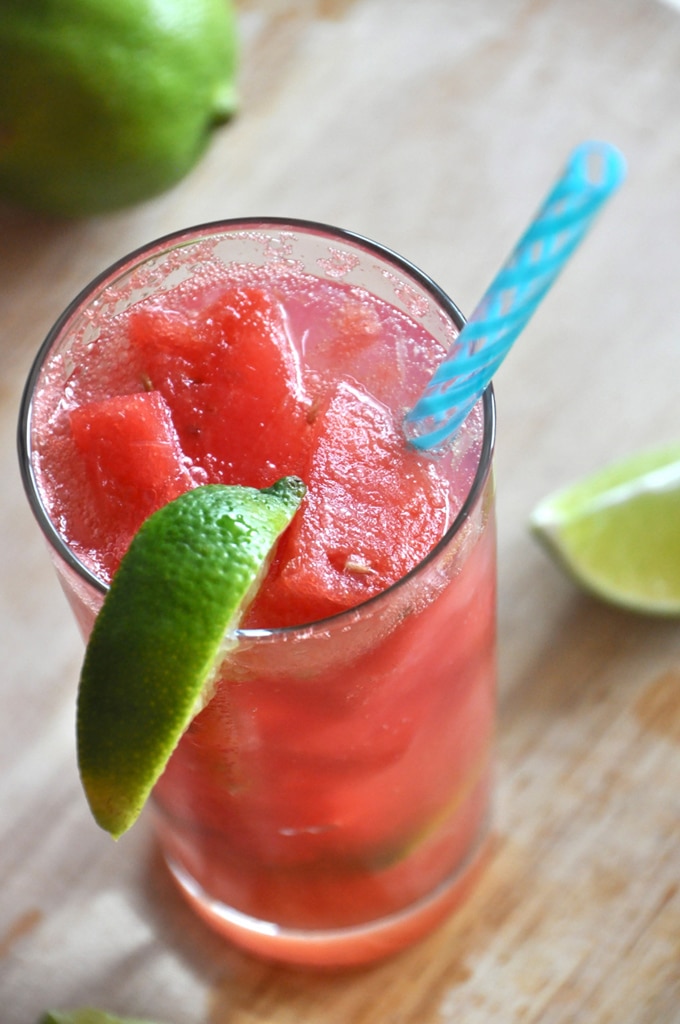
column 105, row 103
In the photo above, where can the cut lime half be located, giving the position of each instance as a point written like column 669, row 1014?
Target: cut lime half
column 162, row 632
column 617, row 532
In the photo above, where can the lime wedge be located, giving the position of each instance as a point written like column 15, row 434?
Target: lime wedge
column 87, row 1015
column 618, row 531
column 163, row 629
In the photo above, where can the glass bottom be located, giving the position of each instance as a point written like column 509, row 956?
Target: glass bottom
column 341, row 947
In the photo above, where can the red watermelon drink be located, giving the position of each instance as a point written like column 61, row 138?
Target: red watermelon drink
column 330, row 803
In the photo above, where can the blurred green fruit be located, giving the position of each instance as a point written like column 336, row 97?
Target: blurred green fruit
column 105, row 103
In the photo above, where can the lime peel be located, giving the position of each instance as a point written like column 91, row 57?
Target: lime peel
column 87, row 1015
column 162, row 632
column 617, row 531
column 106, row 103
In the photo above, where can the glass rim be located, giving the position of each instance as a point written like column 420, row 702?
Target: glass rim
column 187, row 235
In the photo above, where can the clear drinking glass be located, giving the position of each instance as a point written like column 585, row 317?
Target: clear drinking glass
column 331, row 803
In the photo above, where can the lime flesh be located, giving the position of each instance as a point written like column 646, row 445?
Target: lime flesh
column 163, row 629
column 617, row 532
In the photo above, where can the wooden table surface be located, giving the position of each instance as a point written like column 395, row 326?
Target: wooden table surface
column 436, row 127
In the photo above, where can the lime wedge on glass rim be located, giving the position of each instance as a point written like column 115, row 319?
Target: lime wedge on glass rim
column 162, row 632
column 617, row 532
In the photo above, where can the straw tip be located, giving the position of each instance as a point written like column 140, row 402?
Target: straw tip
column 599, row 163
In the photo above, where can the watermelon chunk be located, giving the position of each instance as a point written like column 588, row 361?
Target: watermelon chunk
column 374, row 508
column 133, row 461
column 231, row 377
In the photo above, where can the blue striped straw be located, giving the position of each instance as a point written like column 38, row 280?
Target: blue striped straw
column 593, row 172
